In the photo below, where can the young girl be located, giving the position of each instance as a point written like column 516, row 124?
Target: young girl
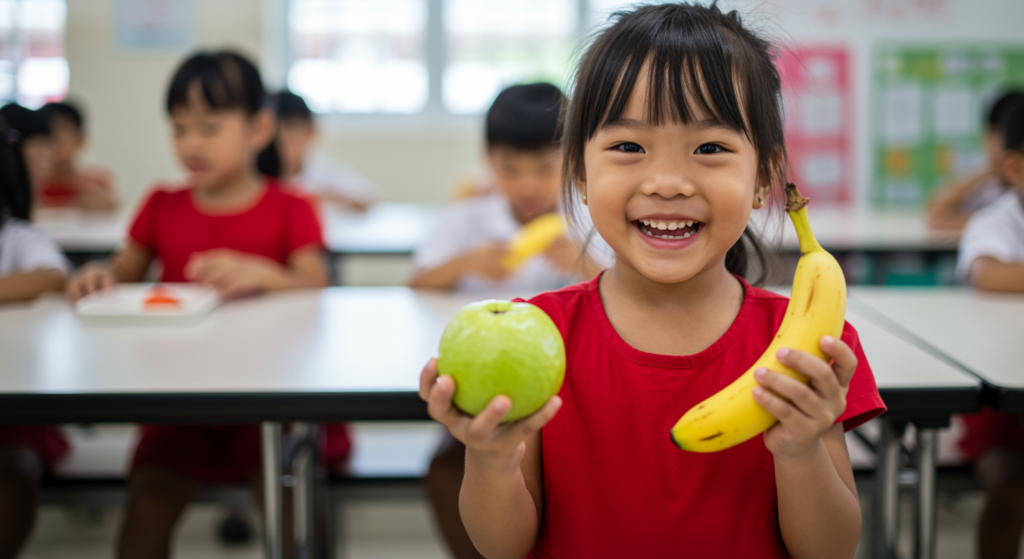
column 674, row 121
column 72, row 184
column 229, row 228
column 30, row 264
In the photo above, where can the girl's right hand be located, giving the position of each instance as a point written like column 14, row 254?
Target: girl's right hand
column 92, row 277
column 493, row 445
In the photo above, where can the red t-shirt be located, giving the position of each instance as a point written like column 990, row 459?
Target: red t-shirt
column 173, row 228
column 616, row 486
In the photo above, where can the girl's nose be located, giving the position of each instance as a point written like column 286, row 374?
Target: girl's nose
column 667, row 179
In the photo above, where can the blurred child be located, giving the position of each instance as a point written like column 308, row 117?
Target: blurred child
column 992, row 259
column 300, row 167
column 467, row 248
column 673, row 136
column 952, row 205
column 71, row 184
column 30, row 264
column 229, row 228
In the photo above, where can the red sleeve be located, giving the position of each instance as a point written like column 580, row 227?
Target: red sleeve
column 144, row 229
column 863, row 403
column 304, row 226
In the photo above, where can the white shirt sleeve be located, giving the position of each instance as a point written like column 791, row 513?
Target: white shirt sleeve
column 996, row 231
column 453, row 235
column 26, row 249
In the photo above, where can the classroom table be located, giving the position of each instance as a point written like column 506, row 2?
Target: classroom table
column 386, row 228
column 979, row 331
column 339, row 354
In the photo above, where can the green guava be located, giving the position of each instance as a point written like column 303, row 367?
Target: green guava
column 500, row 347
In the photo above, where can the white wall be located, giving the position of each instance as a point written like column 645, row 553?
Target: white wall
column 422, row 161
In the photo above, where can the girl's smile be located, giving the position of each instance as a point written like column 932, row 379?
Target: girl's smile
column 668, row 233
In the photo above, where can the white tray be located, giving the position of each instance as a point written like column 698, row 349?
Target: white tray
column 127, row 302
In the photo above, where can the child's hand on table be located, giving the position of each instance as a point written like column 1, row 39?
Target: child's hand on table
column 486, row 261
column 805, row 411
column 90, row 278
column 495, row 446
column 232, row 273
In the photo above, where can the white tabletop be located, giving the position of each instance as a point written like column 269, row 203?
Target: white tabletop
column 338, row 341
column 981, row 331
column 857, row 229
column 387, row 228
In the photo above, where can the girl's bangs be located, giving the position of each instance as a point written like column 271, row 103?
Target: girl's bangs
column 682, row 85
column 210, row 82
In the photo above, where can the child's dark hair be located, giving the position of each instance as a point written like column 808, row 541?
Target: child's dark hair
column 1013, row 130
column 699, row 61
column 64, row 110
column 1002, row 107
column 289, row 105
column 286, row 105
column 15, row 188
column 525, row 117
column 226, row 80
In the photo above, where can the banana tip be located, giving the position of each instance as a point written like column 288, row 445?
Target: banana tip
column 672, row 436
column 794, row 200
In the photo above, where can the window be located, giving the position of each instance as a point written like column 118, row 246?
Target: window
column 33, row 69
column 439, row 56
column 359, row 56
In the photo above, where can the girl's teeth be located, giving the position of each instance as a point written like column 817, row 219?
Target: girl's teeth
column 672, row 226
column 662, row 226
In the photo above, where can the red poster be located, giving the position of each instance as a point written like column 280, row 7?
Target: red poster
column 818, row 101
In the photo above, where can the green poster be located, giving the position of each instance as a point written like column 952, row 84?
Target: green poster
column 926, row 114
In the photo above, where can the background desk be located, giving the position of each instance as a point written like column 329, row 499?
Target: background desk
column 982, row 332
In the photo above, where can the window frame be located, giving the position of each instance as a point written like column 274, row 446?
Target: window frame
column 277, row 58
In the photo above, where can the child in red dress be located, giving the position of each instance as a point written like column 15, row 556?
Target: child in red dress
column 674, row 125
column 229, row 228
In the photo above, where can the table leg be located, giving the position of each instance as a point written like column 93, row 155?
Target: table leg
column 887, row 492
column 273, row 510
column 304, row 497
column 924, row 521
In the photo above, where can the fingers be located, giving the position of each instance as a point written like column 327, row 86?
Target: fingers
column 527, row 426
column 482, row 428
column 439, row 403
column 800, row 396
column 428, row 377
column 820, row 375
column 842, row 354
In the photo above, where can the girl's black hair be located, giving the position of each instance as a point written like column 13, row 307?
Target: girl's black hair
column 15, row 189
column 290, row 105
column 699, row 62
column 226, row 80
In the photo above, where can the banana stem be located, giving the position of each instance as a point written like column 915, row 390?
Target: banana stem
column 796, row 207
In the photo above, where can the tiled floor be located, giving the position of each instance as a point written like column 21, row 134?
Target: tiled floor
column 383, row 530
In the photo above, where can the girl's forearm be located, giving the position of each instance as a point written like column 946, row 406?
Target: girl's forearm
column 819, row 515
column 498, row 511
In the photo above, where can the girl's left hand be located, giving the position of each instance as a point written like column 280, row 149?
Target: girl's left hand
column 805, row 411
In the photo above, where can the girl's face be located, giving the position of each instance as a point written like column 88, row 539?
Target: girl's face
column 219, row 146
column 38, row 154
column 670, row 199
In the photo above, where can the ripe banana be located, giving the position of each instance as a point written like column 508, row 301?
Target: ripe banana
column 533, row 238
column 817, row 307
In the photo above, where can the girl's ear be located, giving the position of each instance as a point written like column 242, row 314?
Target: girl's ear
column 767, row 178
column 264, row 128
column 581, row 186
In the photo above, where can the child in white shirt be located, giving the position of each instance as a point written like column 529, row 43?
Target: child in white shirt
column 991, row 253
column 331, row 181
column 467, row 248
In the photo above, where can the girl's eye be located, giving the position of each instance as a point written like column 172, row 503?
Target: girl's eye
column 630, row 147
column 708, row 149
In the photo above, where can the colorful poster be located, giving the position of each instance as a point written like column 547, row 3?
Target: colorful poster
column 927, row 111
column 818, row 102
